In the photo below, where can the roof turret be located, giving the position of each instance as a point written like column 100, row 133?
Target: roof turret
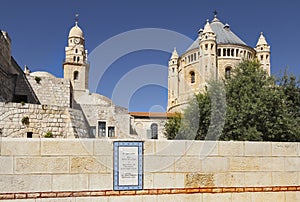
column 261, row 40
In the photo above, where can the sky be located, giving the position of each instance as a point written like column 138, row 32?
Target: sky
column 39, row 31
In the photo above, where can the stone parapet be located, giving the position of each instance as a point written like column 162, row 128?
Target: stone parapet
column 82, row 169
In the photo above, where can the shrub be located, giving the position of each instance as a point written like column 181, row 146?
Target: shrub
column 48, row 135
column 25, row 120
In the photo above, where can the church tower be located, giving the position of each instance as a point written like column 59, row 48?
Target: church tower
column 263, row 53
column 173, row 79
column 207, row 56
column 76, row 67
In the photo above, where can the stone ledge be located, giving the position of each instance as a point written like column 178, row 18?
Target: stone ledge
column 99, row 193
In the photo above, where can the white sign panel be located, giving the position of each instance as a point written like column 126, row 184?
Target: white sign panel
column 128, row 166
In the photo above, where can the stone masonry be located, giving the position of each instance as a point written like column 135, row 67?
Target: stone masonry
column 60, row 121
column 82, row 170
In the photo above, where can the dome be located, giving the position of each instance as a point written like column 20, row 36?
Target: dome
column 223, row 33
column 76, row 31
column 42, row 74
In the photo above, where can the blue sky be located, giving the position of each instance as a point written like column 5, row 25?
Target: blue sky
column 39, row 31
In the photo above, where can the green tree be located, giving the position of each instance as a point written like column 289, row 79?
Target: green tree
column 256, row 109
column 203, row 118
column 172, row 126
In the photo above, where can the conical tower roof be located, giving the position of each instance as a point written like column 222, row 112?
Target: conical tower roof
column 261, row 40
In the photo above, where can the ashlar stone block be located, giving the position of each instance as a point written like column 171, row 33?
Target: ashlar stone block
column 188, row 164
column 285, row 178
column 231, row 148
column 258, row 149
column 158, row 164
column 25, row 165
column 88, row 164
column 268, row 196
column 168, row 180
column 226, row 197
column 25, row 183
column 215, row 164
column 180, row 198
column 69, row 182
column 254, row 179
column 60, row 147
column 170, row 148
column 19, row 147
column 100, row 182
column 6, row 165
column 202, row 149
column 284, row 149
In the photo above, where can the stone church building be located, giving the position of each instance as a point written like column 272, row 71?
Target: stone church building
column 212, row 56
column 37, row 104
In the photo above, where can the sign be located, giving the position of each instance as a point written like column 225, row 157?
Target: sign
column 128, row 165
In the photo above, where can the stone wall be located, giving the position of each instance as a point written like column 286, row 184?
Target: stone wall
column 7, row 86
column 14, row 85
column 82, row 170
column 141, row 126
column 52, row 91
column 60, row 121
column 97, row 108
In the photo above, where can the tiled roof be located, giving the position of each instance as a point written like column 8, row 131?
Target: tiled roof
column 152, row 114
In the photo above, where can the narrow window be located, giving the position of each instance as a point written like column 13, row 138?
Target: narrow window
column 78, row 59
column 76, row 50
column 219, row 52
column 195, row 56
column 228, row 52
column 232, row 52
column 101, row 129
column 224, row 52
column 206, row 46
column 29, row 134
column 261, row 57
column 189, row 58
column 267, row 56
column 237, row 52
column 154, row 131
column 227, row 72
column 192, row 75
column 76, row 75
column 74, row 58
column 212, row 46
column 111, row 131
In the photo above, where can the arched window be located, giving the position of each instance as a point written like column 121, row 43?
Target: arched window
column 154, row 131
column 78, row 59
column 76, row 50
column 74, row 58
column 76, row 75
column 192, row 76
column 227, row 72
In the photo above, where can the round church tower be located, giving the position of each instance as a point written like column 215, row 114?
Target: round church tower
column 213, row 55
column 76, row 67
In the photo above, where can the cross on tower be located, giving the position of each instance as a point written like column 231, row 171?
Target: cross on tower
column 76, row 18
column 215, row 13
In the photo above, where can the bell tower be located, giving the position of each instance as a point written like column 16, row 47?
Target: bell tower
column 76, row 67
column 207, row 57
column 263, row 53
